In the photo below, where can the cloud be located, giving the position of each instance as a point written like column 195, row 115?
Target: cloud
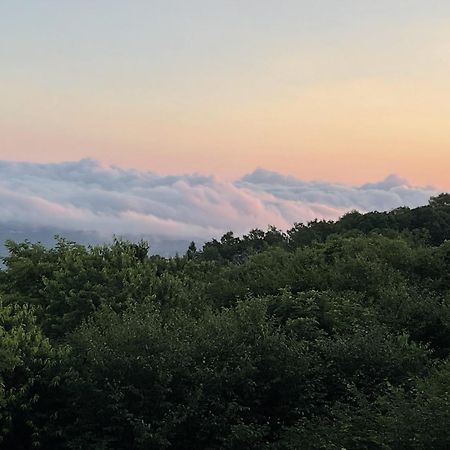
column 387, row 194
column 87, row 197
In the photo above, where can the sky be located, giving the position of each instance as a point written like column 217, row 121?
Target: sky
column 347, row 91
column 181, row 120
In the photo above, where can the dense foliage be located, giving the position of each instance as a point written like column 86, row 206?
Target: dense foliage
column 332, row 335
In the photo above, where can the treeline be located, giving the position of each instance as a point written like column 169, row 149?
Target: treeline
column 332, row 335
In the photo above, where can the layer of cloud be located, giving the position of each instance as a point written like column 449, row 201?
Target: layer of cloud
column 387, row 194
column 85, row 196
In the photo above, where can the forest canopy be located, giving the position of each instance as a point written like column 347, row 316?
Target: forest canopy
column 330, row 335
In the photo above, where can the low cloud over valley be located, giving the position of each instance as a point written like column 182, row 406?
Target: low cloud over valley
column 89, row 201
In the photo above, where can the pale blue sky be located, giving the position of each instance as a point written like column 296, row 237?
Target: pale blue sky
column 76, row 39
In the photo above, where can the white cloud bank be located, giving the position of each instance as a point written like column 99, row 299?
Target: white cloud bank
column 89, row 197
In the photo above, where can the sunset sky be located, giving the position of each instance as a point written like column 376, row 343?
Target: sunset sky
column 337, row 90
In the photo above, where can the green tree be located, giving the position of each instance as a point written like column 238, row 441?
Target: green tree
column 28, row 380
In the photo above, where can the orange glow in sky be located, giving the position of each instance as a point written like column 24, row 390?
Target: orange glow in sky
column 362, row 94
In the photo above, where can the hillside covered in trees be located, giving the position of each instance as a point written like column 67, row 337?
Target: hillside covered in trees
column 332, row 335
